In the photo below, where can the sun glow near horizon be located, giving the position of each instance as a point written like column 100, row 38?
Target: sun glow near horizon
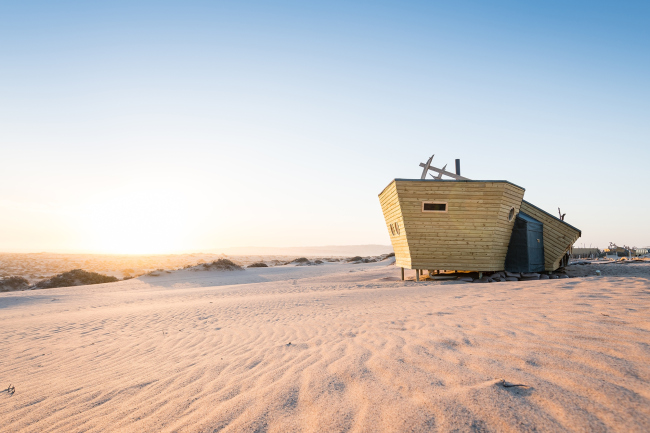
column 136, row 223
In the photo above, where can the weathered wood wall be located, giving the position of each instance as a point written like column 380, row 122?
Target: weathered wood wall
column 393, row 214
column 473, row 234
column 558, row 235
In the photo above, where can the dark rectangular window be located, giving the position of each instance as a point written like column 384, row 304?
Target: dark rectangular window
column 434, row 207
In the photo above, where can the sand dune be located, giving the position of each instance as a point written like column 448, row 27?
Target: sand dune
column 328, row 251
column 36, row 267
column 336, row 347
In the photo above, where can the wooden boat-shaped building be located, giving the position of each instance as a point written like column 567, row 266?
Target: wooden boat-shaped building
column 467, row 225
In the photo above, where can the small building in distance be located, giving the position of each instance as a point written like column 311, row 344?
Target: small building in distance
column 614, row 251
column 585, row 253
column 467, row 225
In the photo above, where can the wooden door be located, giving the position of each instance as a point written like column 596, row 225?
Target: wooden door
column 535, row 248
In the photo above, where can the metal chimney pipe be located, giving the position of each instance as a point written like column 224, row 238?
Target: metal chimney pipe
column 458, row 167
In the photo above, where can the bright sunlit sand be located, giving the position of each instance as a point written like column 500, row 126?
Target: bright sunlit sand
column 335, row 347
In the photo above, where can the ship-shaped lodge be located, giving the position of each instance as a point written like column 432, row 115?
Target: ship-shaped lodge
column 471, row 225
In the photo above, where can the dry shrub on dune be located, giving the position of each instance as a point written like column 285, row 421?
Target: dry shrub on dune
column 302, row 261
column 359, row 259
column 10, row 284
column 76, row 277
column 221, row 265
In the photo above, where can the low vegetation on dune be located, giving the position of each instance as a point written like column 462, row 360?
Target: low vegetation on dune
column 10, row 284
column 157, row 273
column 221, row 265
column 302, row 261
column 76, row 277
column 359, row 259
column 80, row 277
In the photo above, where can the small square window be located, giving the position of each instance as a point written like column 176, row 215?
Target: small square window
column 434, row 206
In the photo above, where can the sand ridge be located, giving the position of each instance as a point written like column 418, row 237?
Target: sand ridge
column 337, row 347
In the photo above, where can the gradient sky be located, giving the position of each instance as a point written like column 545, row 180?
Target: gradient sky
column 159, row 127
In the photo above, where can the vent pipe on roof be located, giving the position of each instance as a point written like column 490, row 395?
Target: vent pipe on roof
column 458, row 167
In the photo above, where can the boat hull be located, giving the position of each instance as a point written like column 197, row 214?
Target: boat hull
column 471, row 234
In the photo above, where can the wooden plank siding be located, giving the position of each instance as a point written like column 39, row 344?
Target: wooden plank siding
column 393, row 214
column 558, row 235
column 473, row 235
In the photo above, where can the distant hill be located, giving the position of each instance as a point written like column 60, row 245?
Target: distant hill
column 328, row 250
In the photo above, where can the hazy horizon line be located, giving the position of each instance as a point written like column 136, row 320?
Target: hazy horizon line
column 184, row 252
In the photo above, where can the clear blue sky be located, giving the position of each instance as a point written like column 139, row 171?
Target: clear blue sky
column 185, row 126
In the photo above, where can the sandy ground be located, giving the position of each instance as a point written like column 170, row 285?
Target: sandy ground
column 336, row 347
column 610, row 268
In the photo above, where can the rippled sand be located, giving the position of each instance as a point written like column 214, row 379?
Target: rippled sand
column 335, row 347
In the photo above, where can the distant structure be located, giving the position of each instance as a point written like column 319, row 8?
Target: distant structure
column 642, row 251
column 614, row 251
column 585, row 253
column 471, row 225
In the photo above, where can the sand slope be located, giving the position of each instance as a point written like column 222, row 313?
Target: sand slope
column 205, row 352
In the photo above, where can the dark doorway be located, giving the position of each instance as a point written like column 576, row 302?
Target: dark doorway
column 526, row 249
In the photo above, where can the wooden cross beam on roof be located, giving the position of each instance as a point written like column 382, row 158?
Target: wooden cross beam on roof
column 426, row 167
column 440, row 172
